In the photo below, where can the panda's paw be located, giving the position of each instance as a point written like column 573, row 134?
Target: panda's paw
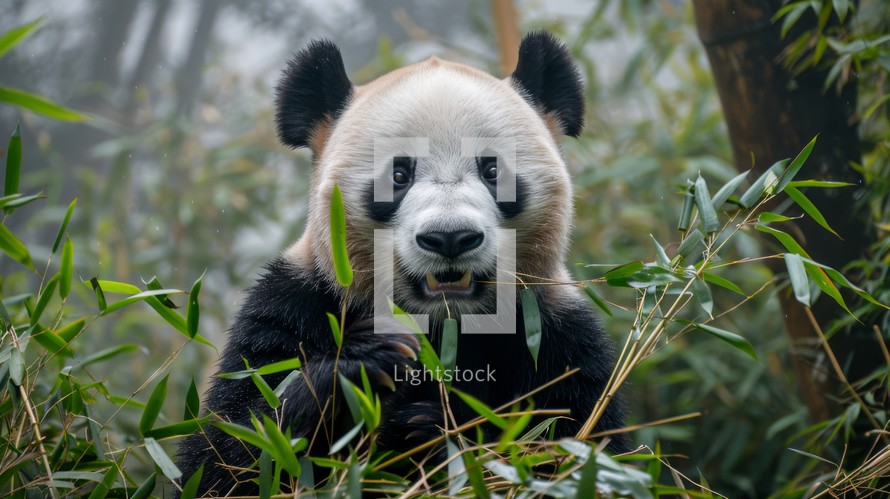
column 412, row 424
column 386, row 355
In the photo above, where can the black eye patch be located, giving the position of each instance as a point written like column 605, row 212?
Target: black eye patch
column 488, row 166
column 401, row 180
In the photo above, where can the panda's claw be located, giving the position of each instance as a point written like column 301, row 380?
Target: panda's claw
column 421, row 419
column 405, row 350
column 385, row 380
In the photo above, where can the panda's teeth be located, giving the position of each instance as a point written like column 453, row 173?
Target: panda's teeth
column 431, row 282
column 435, row 285
column 465, row 280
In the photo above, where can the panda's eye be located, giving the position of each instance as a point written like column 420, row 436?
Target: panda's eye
column 488, row 168
column 401, row 171
column 400, row 177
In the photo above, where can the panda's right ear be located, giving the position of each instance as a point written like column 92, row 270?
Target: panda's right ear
column 311, row 94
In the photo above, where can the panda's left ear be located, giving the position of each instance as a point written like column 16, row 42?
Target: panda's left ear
column 547, row 77
column 311, row 94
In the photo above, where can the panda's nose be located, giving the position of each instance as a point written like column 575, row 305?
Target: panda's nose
column 450, row 244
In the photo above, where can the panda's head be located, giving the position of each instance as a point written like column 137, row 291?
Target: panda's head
column 442, row 155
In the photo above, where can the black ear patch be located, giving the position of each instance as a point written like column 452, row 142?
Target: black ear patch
column 314, row 86
column 549, row 80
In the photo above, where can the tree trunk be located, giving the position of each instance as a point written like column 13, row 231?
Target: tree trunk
column 151, row 51
column 506, row 24
column 188, row 79
column 771, row 114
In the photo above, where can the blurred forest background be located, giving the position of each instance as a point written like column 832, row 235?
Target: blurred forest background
column 178, row 170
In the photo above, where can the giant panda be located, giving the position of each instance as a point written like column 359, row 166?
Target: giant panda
column 444, row 219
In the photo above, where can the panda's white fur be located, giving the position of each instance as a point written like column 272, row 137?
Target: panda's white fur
column 285, row 315
column 444, row 102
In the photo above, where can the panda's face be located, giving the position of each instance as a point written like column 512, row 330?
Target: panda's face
column 433, row 161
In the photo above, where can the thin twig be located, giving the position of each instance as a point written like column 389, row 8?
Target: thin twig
column 840, row 372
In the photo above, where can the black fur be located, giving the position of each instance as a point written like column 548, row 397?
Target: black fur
column 507, row 208
column 512, row 208
column 314, row 87
column 384, row 211
column 284, row 317
column 549, row 80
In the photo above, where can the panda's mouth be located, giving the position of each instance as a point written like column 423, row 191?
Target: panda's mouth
column 451, row 283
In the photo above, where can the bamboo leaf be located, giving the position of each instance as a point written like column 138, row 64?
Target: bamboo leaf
column 66, row 269
column 190, row 489
column 482, row 409
column 346, row 438
column 769, row 217
column 448, row 352
column 762, row 184
column 193, row 313
column 100, row 296
column 338, row 239
column 723, row 283
column 795, row 166
column 841, row 7
column 691, row 245
column 16, row 200
column 155, row 284
column 148, row 486
column 686, row 213
column 843, row 281
column 783, row 237
column 457, row 473
column 808, row 207
column 165, row 464
column 192, row 402
column 141, row 296
column 102, row 488
column 153, row 407
column 531, row 317
column 53, row 343
column 727, row 190
column 821, row 183
column 474, row 473
column 16, row 35
column 733, row 339
column 13, row 163
column 290, row 378
column 269, row 480
column 16, row 366
column 335, row 329
column 588, row 289
column 109, row 353
column 64, row 225
column 277, row 367
column 705, row 208
column 13, row 247
column 283, row 452
column 624, row 271
column 587, row 480
column 797, row 274
column 69, row 332
column 702, row 294
column 245, row 434
column 38, row 104
column 266, row 390
column 44, row 299
column 186, row 427
column 354, row 481
column 660, row 255
column 350, row 396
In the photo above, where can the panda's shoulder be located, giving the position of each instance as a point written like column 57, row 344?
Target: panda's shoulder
column 286, row 296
